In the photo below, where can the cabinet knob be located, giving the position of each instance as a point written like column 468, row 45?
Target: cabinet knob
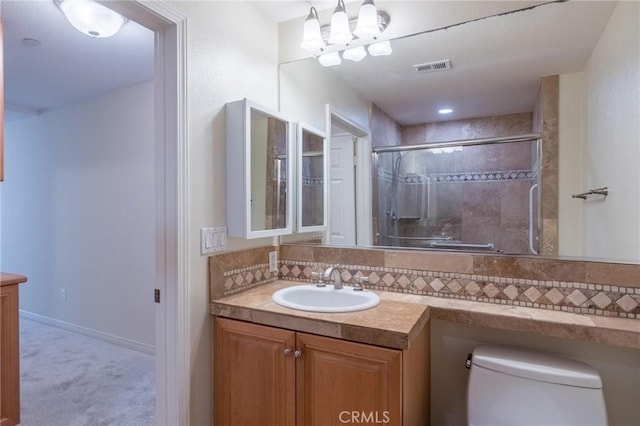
column 288, row 352
column 297, row 354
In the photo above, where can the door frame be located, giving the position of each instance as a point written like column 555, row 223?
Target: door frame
column 363, row 171
column 172, row 336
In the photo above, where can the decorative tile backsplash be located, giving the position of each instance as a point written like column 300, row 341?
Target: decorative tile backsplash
column 576, row 297
column 237, row 280
column 593, row 288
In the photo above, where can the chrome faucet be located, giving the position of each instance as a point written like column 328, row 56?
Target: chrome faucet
column 328, row 276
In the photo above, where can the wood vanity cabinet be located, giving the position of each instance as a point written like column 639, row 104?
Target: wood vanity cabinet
column 270, row 376
column 9, row 357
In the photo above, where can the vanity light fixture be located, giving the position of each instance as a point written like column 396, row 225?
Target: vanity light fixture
column 91, row 18
column 369, row 26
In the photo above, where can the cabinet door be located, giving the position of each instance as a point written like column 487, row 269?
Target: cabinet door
column 341, row 382
column 259, row 171
column 254, row 382
column 9, row 357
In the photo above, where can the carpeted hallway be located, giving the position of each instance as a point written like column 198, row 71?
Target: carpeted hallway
column 71, row 380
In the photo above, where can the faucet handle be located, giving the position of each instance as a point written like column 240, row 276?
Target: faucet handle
column 359, row 280
column 317, row 277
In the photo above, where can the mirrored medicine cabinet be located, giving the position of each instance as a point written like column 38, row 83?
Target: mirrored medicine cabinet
column 259, row 171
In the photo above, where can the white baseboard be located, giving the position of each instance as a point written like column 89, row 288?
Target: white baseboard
column 100, row 335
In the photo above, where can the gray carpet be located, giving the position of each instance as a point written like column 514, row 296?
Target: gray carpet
column 72, row 380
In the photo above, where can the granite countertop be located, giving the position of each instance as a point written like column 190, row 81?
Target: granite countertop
column 11, row 279
column 399, row 317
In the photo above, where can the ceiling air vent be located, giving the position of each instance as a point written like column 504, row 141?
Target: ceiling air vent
column 442, row 65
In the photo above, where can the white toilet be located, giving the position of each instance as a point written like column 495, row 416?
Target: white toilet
column 509, row 386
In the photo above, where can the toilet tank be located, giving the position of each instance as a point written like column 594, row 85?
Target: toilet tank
column 509, row 386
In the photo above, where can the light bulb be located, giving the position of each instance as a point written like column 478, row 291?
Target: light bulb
column 381, row 48
column 329, row 59
column 355, row 54
column 340, row 32
column 311, row 36
column 367, row 20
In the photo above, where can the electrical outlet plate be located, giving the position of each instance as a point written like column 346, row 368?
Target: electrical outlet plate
column 273, row 261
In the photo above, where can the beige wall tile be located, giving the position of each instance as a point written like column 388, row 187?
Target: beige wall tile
column 530, row 268
column 429, row 261
column 613, row 273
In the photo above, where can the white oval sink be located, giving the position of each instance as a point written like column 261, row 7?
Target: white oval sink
column 325, row 299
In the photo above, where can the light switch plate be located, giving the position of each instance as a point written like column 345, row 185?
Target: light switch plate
column 213, row 239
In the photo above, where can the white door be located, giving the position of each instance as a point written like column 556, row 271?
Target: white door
column 342, row 197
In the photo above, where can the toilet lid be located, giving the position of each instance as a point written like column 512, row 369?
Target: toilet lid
column 537, row 366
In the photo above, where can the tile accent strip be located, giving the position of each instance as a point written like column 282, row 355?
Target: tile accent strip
column 241, row 279
column 473, row 176
column 576, row 297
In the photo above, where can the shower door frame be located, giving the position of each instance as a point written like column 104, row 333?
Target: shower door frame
column 528, row 137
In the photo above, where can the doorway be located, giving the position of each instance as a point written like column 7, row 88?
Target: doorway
column 170, row 256
column 349, row 175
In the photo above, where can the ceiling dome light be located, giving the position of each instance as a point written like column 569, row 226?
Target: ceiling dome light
column 355, row 54
column 445, row 111
column 367, row 20
column 329, row 59
column 381, row 48
column 91, row 18
column 312, row 36
column 340, row 32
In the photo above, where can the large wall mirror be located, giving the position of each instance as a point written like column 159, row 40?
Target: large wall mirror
column 519, row 69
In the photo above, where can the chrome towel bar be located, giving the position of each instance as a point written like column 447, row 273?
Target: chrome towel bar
column 599, row 191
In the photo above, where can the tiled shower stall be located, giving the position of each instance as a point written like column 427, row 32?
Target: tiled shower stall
column 459, row 196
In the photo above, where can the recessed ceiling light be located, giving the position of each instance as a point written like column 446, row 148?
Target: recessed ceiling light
column 445, row 111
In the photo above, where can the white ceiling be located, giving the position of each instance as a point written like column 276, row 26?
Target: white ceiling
column 496, row 62
column 68, row 65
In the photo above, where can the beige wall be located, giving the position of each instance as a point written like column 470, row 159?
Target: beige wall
column 571, row 163
column 77, row 188
column 306, row 87
column 225, row 63
column 610, row 99
column 612, row 151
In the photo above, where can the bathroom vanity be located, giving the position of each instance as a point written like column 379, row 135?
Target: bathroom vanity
column 9, row 349
column 347, row 356
column 274, row 367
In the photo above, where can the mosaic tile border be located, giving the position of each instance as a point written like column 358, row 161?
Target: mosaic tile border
column 575, row 297
column 476, row 176
column 490, row 176
column 312, row 181
column 241, row 279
